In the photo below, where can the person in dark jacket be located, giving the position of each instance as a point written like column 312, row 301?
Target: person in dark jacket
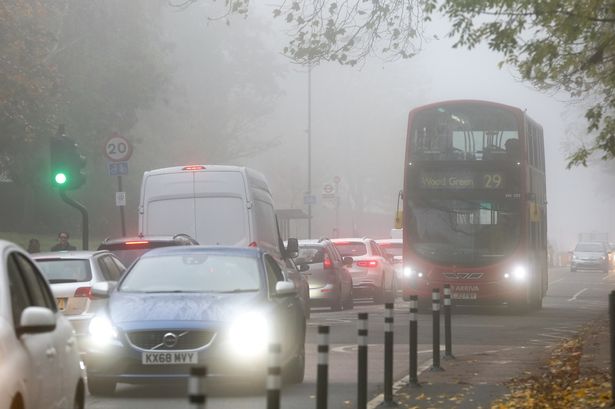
column 63, row 244
column 34, row 246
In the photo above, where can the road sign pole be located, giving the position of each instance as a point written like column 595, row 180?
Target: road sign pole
column 122, row 219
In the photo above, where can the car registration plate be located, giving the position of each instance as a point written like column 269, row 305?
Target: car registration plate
column 61, row 303
column 168, row 358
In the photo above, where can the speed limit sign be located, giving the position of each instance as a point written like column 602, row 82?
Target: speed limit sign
column 117, row 148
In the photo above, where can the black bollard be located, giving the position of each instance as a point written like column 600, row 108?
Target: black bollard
column 274, row 377
column 388, row 355
column 322, row 375
column 362, row 364
column 448, row 337
column 413, row 341
column 435, row 306
column 196, row 387
column 612, row 327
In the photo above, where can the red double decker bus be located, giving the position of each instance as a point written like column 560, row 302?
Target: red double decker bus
column 475, row 204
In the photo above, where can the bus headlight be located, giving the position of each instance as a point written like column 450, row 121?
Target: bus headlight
column 249, row 335
column 519, row 273
column 408, row 272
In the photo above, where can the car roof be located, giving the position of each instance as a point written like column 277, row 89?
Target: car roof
column 389, row 241
column 5, row 244
column 351, row 239
column 312, row 242
column 78, row 254
column 601, row 243
column 246, row 251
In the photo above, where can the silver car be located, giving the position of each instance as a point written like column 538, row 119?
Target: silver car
column 329, row 280
column 71, row 275
column 590, row 256
column 373, row 275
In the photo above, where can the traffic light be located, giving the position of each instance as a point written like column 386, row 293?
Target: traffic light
column 67, row 164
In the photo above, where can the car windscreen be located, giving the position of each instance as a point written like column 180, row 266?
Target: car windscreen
column 310, row 254
column 590, row 247
column 351, row 249
column 65, row 270
column 193, row 273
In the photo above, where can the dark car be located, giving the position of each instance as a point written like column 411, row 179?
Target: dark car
column 128, row 249
column 590, row 256
column 208, row 305
column 329, row 280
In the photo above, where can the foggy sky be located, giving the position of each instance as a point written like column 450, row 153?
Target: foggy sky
column 359, row 119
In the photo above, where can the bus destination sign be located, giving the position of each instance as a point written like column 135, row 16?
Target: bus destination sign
column 446, row 179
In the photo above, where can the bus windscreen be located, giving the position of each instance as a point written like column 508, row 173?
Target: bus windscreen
column 464, row 232
column 464, row 132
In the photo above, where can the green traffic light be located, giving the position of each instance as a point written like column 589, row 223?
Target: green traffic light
column 60, row 178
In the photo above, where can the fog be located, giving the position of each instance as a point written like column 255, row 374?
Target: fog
column 234, row 99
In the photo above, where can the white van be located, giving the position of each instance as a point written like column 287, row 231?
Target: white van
column 215, row 204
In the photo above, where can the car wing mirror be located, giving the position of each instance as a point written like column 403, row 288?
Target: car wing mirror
column 103, row 289
column 285, row 288
column 292, row 247
column 303, row 267
column 36, row 320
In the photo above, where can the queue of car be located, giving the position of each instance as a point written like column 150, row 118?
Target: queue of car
column 146, row 308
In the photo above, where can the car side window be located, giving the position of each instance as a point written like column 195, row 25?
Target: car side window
column 121, row 268
column 334, row 254
column 375, row 249
column 274, row 273
column 109, row 269
column 40, row 294
column 19, row 293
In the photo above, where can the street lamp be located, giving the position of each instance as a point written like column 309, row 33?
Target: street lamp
column 309, row 150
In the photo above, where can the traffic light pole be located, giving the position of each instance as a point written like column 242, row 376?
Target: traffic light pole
column 85, row 230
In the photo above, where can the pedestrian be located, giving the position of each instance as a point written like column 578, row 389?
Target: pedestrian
column 63, row 244
column 34, row 246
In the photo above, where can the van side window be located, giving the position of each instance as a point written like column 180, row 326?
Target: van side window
column 265, row 223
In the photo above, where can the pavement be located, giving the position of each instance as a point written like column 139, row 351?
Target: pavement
column 477, row 379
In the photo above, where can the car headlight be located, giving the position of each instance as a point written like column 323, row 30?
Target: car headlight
column 249, row 334
column 519, row 273
column 101, row 330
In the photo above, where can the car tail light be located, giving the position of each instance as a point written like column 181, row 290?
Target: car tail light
column 367, row 263
column 83, row 292
column 253, row 244
column 133, row 243
column 327, row 263
column 194, row 167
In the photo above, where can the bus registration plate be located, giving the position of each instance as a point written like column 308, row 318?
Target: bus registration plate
column 464, row 292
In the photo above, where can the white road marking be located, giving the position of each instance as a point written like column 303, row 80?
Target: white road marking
column 574, row 297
